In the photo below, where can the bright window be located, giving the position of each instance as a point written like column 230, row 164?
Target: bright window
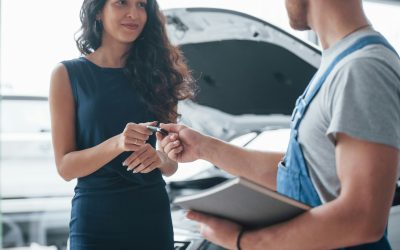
column 385, row 18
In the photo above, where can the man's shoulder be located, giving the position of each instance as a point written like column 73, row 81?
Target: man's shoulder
column 379, row 52
column 373, row 58
column 368, row 71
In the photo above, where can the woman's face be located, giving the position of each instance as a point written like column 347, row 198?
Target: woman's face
column 123, row 20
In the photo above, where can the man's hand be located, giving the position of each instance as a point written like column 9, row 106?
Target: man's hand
column 219, row 231
column 182, row 144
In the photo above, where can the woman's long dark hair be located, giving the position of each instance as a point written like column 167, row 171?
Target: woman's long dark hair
column 156, row 67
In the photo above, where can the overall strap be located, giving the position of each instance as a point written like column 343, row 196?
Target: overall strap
column 305, row 99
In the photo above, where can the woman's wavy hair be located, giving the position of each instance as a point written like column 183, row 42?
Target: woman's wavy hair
column 157, row 69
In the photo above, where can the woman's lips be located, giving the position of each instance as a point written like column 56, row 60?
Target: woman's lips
column 131, row 26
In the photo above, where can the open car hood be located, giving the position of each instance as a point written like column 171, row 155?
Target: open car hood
column 244, row 65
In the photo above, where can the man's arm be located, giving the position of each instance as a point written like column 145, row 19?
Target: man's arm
column 367, row 172
column 185, row 145
column 258, row 166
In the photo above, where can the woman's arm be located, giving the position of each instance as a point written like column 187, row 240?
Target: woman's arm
column 71, row 163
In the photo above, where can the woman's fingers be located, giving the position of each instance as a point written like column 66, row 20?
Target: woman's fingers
column 137, row 157
column 145, row 165
column 133, row 134
column 137, row 131
column 131, row 139
column 144, row 160
column 150, row 168
column 140, row 128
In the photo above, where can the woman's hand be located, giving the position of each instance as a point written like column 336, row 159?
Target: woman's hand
column 134, row 136
column 144, row 160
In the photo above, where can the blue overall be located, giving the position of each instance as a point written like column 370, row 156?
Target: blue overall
column 293, row 178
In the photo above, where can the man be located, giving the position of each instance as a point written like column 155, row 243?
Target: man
column 343, row 155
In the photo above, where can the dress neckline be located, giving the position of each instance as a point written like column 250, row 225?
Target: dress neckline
column 100, row 67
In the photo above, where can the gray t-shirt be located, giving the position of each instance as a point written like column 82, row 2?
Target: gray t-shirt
column 361, row 97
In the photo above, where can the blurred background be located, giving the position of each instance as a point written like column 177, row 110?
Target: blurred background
column 35, row 35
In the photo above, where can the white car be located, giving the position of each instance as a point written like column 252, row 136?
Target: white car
column 35, row 200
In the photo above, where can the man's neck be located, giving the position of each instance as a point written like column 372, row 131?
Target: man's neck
column 333, row 20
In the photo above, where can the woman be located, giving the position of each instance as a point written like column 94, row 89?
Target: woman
column 129, row 76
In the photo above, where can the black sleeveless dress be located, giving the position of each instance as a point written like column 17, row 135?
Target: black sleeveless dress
column 113, row 208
